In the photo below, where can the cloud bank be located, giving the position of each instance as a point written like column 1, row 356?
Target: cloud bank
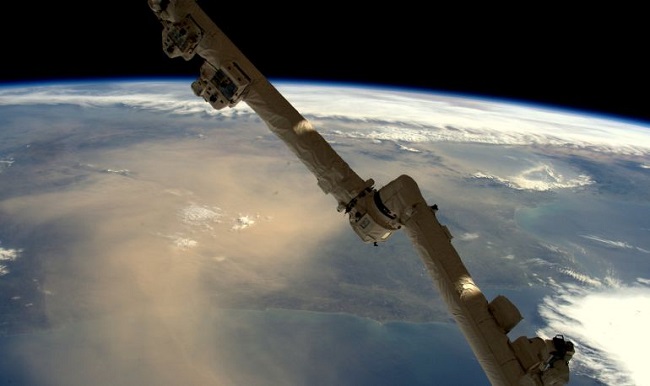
column 607, row 325
column 388, row 114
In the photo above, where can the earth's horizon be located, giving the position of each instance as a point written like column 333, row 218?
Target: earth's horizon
column 147, row 238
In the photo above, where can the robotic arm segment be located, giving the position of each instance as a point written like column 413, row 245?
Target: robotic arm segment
column 221, row 87
column 181, row 38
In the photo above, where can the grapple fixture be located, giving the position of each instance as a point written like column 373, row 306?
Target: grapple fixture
column 221, row 87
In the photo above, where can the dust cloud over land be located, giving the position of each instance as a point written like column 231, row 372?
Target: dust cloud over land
column 124, row 296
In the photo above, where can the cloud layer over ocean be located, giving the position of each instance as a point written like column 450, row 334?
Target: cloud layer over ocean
column 397, row 116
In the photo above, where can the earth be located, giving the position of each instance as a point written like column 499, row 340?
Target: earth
column 146, row 238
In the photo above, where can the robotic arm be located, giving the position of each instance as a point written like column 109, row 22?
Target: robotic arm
column 228, row 77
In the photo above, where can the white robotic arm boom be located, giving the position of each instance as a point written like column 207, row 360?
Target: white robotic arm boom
column 228, row 77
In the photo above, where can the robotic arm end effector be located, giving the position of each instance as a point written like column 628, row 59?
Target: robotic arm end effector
column 545, row 359
column 555, row 369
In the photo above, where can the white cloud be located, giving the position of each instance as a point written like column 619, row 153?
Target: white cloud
column 5, row 163
column 7, row 255
column 409, row 149
column 608, row 327
column 185, row 243
column 468, row 236
column 243, row 222
column 584, row 279
column 544, row 177
column 643, row 281
column 172, row 96
column 485, row 176
column 539, row 178
column 613, row 243
column 201, row 215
